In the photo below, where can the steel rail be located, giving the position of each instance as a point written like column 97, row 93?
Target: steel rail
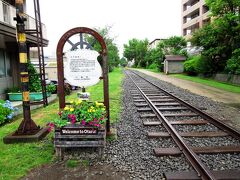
column 192, row 157
column 230, row 130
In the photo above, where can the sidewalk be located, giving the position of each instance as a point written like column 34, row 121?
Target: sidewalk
column 18, row 104
column 197, row 88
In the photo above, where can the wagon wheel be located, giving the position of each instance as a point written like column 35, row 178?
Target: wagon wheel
column 82, row 44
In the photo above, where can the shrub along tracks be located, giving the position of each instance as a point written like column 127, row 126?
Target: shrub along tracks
column 169, row 111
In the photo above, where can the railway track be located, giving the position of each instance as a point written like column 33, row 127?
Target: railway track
column 160, row 108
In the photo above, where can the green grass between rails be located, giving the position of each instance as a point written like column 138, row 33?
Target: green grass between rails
column 17, row 159
column 220, row 85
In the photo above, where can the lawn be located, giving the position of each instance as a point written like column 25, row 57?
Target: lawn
column 210, row 82
column 17, row 159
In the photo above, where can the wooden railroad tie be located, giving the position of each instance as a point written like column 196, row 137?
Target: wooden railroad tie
column 189, row 134
column 197, row 150
column 182, row 122
column 163, row 109
column 190, row 175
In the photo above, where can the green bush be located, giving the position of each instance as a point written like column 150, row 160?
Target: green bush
column 51, row 88
column 198, row 65
column 204, row 66
column 34, row 80
column 13, row 90
column 233, row 64
column 6, row 111
column 190, row 65
column 153, row 66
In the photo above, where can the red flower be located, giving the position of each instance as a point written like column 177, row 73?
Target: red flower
column 60, row 113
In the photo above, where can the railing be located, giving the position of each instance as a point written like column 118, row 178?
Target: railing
column 8, row 12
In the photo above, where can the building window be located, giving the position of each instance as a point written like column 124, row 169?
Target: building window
column 6, row 13
column 205, row 9
column 5, row 65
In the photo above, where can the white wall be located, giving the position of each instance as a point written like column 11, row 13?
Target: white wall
column 1, row 11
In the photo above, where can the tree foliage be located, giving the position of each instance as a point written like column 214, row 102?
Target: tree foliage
column 136, row 50
column 113, row 52
column 174, row 45
column 220, row 38
column 143, row 56
column 123, row 62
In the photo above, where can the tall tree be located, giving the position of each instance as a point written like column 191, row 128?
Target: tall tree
column 136, row 50
column 220, row 38
column 173, row 45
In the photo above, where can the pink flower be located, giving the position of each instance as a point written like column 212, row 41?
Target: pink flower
column 97, row 125
column 73, row 121
column 73, row 116
column 83, row 122
column 51, row 125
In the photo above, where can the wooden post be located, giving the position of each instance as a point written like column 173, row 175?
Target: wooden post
column 27, row 126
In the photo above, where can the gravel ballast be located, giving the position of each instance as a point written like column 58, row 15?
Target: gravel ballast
column 131, row 156
column 133, row 151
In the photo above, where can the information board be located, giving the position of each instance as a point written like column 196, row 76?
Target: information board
column 82, row 68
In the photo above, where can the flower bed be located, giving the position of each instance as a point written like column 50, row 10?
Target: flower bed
column 81, row 124
column 83, row 113
column 6, row 111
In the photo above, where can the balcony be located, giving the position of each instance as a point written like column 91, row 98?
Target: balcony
column 191, row 9
column 8, row 12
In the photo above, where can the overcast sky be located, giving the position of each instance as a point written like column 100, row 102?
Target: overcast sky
column 129, row 19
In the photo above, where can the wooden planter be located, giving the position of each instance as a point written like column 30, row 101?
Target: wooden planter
column 77, row 136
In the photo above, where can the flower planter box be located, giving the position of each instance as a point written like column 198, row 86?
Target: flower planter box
column 78, row 136
column 34, row 96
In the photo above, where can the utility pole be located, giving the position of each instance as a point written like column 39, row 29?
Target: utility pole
column 27, row 130
column 27, row 126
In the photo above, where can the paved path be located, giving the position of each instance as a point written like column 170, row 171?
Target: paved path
column 197, row 88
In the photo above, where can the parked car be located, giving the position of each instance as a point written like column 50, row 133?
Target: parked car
column 72, row 87
column 67, row 85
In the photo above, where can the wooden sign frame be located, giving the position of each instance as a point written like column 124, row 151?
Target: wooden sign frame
column 65, row 37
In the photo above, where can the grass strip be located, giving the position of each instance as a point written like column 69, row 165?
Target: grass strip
column 216, row 84
column 17, row 159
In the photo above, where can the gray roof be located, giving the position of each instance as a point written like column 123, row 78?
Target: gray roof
column 175, row 58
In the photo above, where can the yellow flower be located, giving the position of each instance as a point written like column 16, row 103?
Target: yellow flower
column 66, row 108
column 78, row 102
column 100, row 104
column 71, row 109
column 71, row 102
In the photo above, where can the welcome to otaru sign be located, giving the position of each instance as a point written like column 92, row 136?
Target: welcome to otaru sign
column 78, row 131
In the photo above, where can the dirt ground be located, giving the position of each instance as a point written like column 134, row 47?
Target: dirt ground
column 61, row 171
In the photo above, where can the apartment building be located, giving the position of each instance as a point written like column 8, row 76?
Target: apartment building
column 194, row 16
column 9, row 61
column 153, row 44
